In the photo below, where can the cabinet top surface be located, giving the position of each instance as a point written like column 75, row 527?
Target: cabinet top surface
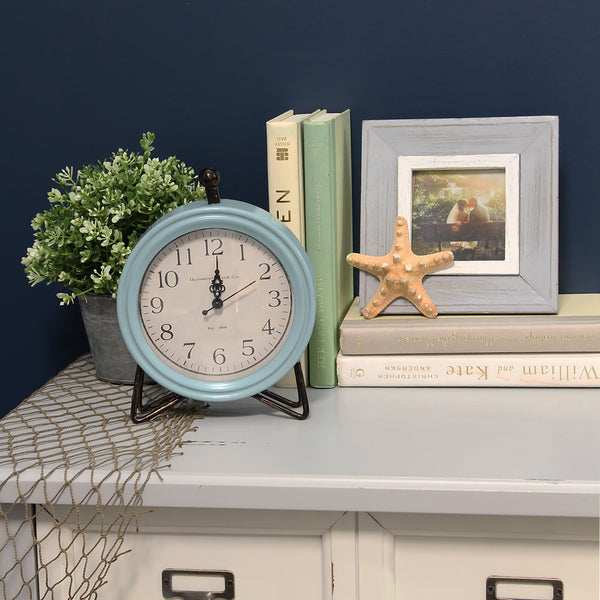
column 491, row 450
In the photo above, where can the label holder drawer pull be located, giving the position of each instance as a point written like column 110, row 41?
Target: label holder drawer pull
column 169, row 592
column 491, row 586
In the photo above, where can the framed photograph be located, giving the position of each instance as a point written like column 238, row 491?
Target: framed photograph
column 467, row 204
column 487, row 189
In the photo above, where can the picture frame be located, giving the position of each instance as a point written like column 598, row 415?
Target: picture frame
column 523, row 151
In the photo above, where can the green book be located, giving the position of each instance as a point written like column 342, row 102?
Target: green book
column 328, row 215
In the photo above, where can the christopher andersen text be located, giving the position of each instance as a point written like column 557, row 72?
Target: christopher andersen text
column 490, row 341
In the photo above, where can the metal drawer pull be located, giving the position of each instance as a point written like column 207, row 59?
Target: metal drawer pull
column 491, row 586
column 169, row 592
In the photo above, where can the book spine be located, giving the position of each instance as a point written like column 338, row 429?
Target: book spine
column 285, row 181
column 344, row 219
column 319, row 182
column 569, row 335
column 468, row 370
column 328, row 209
column 285, row 175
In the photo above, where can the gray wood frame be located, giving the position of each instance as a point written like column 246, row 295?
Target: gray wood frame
column 535, row 139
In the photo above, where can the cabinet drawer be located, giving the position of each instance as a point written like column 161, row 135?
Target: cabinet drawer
column 271, row 554
column 420, row 557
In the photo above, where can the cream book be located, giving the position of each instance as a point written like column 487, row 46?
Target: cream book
column 470, row 370
column 285, row 170
column 285, row 181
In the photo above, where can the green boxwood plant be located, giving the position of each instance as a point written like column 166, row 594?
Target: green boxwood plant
column 98, row 214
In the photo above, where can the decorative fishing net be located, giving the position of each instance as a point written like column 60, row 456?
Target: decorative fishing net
column 73, row 443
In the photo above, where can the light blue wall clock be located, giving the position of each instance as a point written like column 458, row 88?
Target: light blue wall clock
column 217, row 301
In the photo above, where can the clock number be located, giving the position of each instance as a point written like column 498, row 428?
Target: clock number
column 275, row 300
column 214, row 248
column 266, row 270
column 191, row 345
column 219, row 356
column 166, row 332
column 267, row 327
column 157, row 305
column 242, row 255
column 247, row 349
column 188, row 256
column 170, row 279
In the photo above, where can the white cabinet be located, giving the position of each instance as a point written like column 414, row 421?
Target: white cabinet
column 271, row 554
column 380, row 494
column 332, row 555
column 421, row 557
column 17, row 557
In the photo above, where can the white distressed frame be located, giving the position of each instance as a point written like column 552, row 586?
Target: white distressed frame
column 407, row 165
column 534, row 289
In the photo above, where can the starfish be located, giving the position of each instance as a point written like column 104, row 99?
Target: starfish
column 400, row 273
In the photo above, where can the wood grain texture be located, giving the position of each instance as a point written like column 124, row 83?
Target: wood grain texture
column 535, row 139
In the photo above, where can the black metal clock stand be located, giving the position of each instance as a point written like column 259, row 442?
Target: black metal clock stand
column 288, row 406
column 140, row 412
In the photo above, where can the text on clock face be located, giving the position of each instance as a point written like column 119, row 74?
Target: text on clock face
column 215, row 304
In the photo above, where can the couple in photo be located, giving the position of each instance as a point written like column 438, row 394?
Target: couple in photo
column 468, row 211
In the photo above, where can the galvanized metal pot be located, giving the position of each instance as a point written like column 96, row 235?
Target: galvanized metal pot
column 111, row 357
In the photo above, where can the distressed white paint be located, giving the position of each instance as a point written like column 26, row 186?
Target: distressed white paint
column 451, row 450
column 285, row 502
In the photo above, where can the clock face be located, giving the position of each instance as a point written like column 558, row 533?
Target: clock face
column 215, row 304
column 217, row 301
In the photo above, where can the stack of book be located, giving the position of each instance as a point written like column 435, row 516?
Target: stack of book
column 560, row 350
column 310, row 191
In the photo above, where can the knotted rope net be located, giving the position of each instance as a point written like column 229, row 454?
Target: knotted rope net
column 72, row 444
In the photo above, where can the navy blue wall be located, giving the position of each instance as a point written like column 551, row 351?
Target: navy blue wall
column 81, row 79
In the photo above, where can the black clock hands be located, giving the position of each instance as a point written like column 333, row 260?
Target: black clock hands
column 221, row 301
column 216, row 287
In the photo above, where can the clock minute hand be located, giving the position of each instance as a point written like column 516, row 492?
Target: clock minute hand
column 240, row 290
column 206, row 311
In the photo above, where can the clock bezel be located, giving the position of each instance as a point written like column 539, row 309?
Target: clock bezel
column 248, row 220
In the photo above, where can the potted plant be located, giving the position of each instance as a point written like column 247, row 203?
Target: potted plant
column 95, row 219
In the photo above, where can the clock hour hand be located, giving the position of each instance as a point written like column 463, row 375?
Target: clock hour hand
column 206, row 311
column 216, row 286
